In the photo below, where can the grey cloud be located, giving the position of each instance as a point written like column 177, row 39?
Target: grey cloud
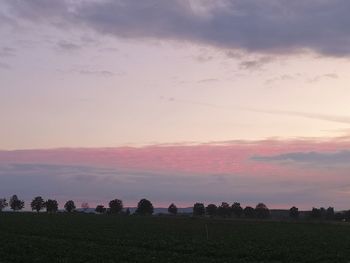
column 89, row 183
column 266, row 26
column 321, row 77
column 205, row 81
column 4, row 66
column 68, row 46
column 315, row 158
column 255, row 64
column 103, row 73
column 7, row 52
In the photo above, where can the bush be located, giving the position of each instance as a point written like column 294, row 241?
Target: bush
column 144, row 207
column 211, row 210
column 115, row 206
column 262, row 211
column 198, row 209
column 69, row 206
column 51, row 206
column 172, row 209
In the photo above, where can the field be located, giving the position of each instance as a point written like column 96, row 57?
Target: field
column 26, row 237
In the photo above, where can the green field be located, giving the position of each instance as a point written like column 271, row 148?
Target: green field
column 26, row 237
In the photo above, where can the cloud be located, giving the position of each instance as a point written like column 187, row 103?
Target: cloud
column 68, row 46
column 314, row 158
column 4, row 66
column 255, row 64
column 103, row 73
column 321, row 77
column 316, row 116
column 266, row 26
column 184, row 173
column 7, row 52
column 205, row 81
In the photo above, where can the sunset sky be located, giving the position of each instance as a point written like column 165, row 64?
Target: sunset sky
column 176, row 101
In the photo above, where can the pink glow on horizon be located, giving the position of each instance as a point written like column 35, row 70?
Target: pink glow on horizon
column 224, row 158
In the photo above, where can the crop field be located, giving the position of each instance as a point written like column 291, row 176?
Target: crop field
column 26, row 237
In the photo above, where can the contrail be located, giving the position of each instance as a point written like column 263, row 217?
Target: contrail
column 317, row 116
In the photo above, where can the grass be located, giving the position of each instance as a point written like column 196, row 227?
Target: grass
column 27, row 237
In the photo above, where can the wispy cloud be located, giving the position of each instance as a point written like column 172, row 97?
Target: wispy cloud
column 211, row 80
column 317, row 116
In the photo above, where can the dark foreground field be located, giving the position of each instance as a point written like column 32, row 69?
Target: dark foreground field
column 28, row 237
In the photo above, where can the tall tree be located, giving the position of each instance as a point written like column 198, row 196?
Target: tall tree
column 237, row 210
column 249, row 212
column 37, row 204
column 224, row 210
column 3, row 204
column 16, row 204
column 100, row 209
column 330, row 213
column 115, row 206
column 144, row 207
column 316, row 213
column 69, row 206
column 262, row 211
column 172, row 209
column 211, row 210
column 294, row 212
column 51, row 206
column 198, row 209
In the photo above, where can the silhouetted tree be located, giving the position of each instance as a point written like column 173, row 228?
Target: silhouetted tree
column 339, row 216
column 198, row 209
column 262, row 211
column 172, row 209
column 69, row 206
column 330, row 213
column 85, row 206
column 211, row 210
column 224, row 210
column 294, row 212
column 144, row 207
column 100, row 209
column 249, row 212
column 115, row 206
column 51, row 206
column 315, row 213
column 127, row 212
column 3, row 204
column 37, row 204
column 16, row 204
column 347, row 215
column 237, row 210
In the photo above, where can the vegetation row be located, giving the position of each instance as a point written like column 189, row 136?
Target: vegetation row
column 145, row 207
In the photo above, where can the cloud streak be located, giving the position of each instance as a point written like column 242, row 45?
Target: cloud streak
column 316, row 116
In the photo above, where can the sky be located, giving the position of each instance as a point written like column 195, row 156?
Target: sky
column 176, row 101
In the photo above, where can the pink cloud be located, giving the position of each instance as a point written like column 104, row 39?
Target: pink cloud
column 210, row 172
column 225, row 158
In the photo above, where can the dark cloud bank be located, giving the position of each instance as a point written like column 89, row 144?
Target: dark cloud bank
column 265, row 26
column 315, row 158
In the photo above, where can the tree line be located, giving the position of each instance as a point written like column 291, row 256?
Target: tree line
column 145, row 207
